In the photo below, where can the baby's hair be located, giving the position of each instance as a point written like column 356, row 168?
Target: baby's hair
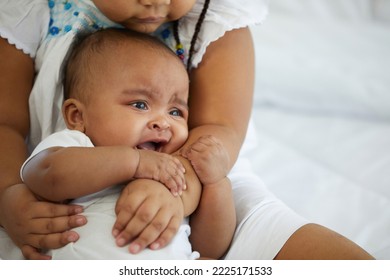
column 79, row 59
column 195, row 35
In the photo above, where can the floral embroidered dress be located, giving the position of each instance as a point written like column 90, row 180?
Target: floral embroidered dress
column 44, row 29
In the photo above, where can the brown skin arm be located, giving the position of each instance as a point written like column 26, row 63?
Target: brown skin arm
column 62, row 173
column 190, row 197
column 132, row 211
column 23, row 217
column 58, row 173
column 221, row 91
column 16, row 78
column 222, row 108
column 216, row 220
column 221, row 97
column 221, row 102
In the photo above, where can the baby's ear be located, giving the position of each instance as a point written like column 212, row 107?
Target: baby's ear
column 72, row 110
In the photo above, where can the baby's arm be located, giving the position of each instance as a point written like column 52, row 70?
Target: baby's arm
column 156, row 213
column 161, row 167
column 61, row 173
column 214, row 221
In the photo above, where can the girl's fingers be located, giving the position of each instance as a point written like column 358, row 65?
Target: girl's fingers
column 31, row 253
column 56, row 225
column 43, row 209
column 52, row 241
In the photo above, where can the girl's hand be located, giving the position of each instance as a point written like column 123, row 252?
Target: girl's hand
column 163, row 168
column 35, row 225
column 147, row 216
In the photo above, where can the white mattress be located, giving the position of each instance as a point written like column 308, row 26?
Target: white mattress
column 322, row 111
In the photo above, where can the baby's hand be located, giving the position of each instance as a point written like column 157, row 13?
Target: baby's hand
column 163, row 168
column 147, row 216
column 209, row 159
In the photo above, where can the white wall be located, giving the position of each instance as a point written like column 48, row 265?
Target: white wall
column 346, row 9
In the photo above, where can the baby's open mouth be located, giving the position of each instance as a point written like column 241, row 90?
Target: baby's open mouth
column 153, row 146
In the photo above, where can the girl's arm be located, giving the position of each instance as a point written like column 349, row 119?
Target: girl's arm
column 210, row 162
column 16, row 79
column 222, row 91
column 220, row 105
column 214, row 221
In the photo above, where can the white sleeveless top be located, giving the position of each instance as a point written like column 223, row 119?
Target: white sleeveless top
column 44, row 29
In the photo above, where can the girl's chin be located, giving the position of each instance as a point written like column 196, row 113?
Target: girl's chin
column 143, row 27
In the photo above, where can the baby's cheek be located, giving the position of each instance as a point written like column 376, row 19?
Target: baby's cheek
column 177, row 141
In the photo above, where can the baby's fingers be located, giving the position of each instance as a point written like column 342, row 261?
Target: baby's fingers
column 124, row 215
column 173, row 178
column 167, row 235
column 144, row 216
column 177, row 163
column 157, row 234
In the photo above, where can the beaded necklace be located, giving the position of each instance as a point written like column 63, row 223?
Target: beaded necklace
column 179, row 45
column 179, row 48
column 68, row 15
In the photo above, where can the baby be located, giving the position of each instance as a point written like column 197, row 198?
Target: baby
column 126, row 111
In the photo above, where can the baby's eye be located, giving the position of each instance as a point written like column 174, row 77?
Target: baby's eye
column 176, row 112
column 141, row 105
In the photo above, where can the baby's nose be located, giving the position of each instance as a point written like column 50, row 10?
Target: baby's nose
column 160, row 123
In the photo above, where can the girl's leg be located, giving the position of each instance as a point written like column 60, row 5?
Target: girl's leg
column 316, row 242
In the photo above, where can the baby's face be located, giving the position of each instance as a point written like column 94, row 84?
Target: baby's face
column 138, row 98
column 144, row 15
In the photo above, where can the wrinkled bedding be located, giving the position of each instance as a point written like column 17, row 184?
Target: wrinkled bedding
column 322, row 111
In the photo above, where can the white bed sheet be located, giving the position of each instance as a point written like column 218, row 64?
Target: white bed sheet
column 322, row 111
